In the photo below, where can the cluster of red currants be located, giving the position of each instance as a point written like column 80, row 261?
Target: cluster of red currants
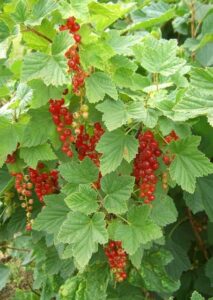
column 62, row 119
column 85, row 144
column 117, row 259
column 146, row 164
column 46, row 183
column 73, row 28
column 24, row 188
column 169, row 138
column 73, row 56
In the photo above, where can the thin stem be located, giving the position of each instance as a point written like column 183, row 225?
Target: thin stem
column 200, row 242
column 176, row 226
column 198, row 27
column 130, row 129
column 156, row 80
column 14, row 248
column 28, row 28
column 123, row 219
column 32, row 290
column 139, row 131
column 162, row 137
column 192, row 7
column 193, row 30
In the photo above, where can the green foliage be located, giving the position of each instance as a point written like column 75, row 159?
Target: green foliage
column 84, row 233
column 98, row 85
column 189, row 163
column 5, row 273
column 79, row 173
column 140, row 229
column 141, row 66
column 115, row 147
column 118, row 190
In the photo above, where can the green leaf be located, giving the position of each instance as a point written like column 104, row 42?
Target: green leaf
column 5, row 75
column 118, row 190
column 21, row 14
column 95, row 54
column 114, row 113
column 52, row 216
column 193, row 201
column 84, row 233
column 209, row 270
column 6, row 180
column 62, row 42
column 104, row 14
column 39, row 129
column 122, row 44
column 198, row 99
column 154, row 274
column 79, row 173
column 4, row 31
column 97, row 279
column 76, row 8
column 8, row 134
column 157, row 13
column 181, row 261
column 42, row 93
column 159, row 56
column 121, row 62
column 5, row 274
column 189, row 163
column 116, row 146
column 196, row 296
column 139, row 230
column 204, row 55
column 38, row 153
column 202, row 197
column 136, row 258
column 35, row 42
column 98, row 85
column 85, row 200
column 41, row 9
column 53, row 263
column 51, row 69
column 164, row 211
column 139, row 112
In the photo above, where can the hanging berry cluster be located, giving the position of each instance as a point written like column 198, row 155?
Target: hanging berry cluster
column 171, row 137
column 85, row 144
column 62, row 119
column 117, row 259
column 146, row 164
column 167, row 159
column 73, row 56
column 46, row 183
column 24, row 188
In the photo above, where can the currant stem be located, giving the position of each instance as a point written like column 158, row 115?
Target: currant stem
column 200, row 242
column 28, row 28
column 123, row 219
